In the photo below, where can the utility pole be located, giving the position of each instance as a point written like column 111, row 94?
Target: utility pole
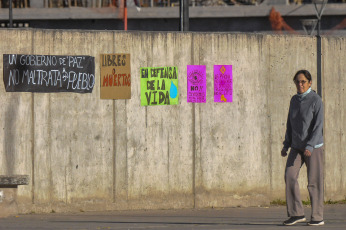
column 184, row 15
column 125, row 15
column 319, row 13
column 10, row 13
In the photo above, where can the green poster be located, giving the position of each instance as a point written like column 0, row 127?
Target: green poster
column 159, row 86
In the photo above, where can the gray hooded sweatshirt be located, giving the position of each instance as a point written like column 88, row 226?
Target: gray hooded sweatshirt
column 305, row 122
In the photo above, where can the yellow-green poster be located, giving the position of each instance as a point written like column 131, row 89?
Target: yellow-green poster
column 159, row 86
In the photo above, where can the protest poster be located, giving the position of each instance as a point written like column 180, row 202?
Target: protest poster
column 48, row 73
column 115, row 76
column 223, row 83
column 159, row 86
column 196, row 84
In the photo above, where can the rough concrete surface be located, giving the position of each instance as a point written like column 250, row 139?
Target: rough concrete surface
column 83, row 153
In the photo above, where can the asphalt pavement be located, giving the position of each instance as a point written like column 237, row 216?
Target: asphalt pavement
column 228, row 218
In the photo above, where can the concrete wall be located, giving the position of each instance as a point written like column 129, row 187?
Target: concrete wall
column 83, row 153
column 334, row 82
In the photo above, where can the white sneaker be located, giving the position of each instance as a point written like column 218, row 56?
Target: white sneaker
column 316, row 223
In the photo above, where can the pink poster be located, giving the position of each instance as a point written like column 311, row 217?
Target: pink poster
column 223, row 79
column 196, row 84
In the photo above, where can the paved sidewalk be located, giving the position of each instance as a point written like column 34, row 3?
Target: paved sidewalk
column 230, row 218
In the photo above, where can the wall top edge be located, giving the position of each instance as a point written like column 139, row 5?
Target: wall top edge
column 186, row 33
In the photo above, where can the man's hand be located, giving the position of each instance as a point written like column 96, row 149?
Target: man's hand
column 307, row 153
column 284, row 152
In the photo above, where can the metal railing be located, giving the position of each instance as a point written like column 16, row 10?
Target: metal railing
column 141, row 3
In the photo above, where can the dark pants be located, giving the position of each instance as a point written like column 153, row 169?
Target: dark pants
column 314, row 165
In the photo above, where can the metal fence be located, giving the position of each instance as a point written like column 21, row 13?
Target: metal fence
column 141, row 3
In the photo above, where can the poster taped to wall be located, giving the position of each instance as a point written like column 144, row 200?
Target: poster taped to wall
column 223, row 83
column 115, row 76
column 48, row 73
column 196, row 84
column 159, row 86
